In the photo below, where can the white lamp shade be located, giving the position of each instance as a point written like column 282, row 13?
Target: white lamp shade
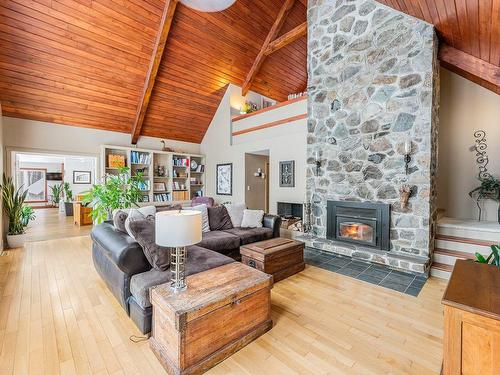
column 208, row 5
column 178, row 228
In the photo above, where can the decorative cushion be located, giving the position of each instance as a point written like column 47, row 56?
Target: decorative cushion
column 235, row 211
column 252, row 219
column 205, row 226
column 198, row 260
column 219, row 241
column 251, row 235
column 119, row 218
column 170, row 207
column 144, row 233
column 137, row 214
column 218, row 218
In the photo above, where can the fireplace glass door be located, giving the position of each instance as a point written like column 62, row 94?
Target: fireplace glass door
column 357, row 230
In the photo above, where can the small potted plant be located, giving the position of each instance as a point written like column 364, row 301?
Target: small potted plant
column 56, row 192
column 18, row 214
column 118, row 191
column 68, row 203
column 488, row 189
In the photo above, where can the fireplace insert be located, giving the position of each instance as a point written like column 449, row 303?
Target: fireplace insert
column 361, row 223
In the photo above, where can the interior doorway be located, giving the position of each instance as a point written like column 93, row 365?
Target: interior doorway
column 257, row 180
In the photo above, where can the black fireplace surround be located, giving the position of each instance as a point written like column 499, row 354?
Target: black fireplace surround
column 360, row 223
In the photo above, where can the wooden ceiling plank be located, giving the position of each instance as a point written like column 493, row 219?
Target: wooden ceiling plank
column 470, row 67
column 485, row 18
column 278, row 23
column 495, row 34
column 473, row 25
column 165, row 25
column 285, row 39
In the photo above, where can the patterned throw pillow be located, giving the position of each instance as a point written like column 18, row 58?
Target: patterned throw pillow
column 205, row 226
column 119, row 218
column 138, row 214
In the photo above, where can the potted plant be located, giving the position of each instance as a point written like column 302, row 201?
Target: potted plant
column 18, row 214
column 56, row 192
column 118, row 191
column 488, row 189
column 493, row 258
column 68, row 203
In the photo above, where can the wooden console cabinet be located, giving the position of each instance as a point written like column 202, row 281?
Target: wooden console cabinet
column 472, row 320
column 222, row 310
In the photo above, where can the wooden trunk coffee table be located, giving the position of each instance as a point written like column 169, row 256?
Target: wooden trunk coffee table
column 222, row 310
column 280, row 257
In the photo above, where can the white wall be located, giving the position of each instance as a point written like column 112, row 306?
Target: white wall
column 22, row 134
column 72, row 164
column 284, row 142
column 465, row 107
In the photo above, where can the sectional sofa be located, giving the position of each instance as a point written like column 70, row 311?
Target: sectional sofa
column 121, row 263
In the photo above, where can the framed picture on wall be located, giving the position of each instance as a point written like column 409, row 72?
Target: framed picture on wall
column 287, row 173
column 34, row 180
column 82, row 177
column 224, row 179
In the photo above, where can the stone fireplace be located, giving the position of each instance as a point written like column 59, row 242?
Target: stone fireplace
column 372, row 99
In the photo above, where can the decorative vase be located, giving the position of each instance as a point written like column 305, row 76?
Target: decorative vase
column 16, row 240
column 68, row 208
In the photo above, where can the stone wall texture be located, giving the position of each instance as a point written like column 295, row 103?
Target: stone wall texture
column 373, row 85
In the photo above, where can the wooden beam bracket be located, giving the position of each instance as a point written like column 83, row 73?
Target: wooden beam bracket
column 156, row 57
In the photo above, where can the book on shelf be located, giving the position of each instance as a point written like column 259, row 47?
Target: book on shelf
column 162, row 197
column 137, row 157
column 199, row 169
column 144, row 185
column 180, row 162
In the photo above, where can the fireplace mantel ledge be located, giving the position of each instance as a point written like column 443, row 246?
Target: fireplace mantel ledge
column 402, row 261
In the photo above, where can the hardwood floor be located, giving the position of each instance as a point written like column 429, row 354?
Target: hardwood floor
column 51, row 224
column 57, row 316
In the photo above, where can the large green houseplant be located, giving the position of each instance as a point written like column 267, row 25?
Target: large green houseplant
column 56, row 192
column 18, row 214
column 117, row 191
column 493, row 258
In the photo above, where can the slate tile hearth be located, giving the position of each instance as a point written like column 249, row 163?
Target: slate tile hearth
column 371, row 273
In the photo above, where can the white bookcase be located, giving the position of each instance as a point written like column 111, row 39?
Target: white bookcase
column 170, row 177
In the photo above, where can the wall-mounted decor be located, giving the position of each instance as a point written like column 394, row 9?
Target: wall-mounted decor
column 287, row 173
column 82, row 177
column 34, row 180
column 224, row 179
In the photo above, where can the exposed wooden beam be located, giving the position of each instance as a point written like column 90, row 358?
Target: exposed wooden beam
column 470, row 67
column 304, row 2
column 273, row 33
column 156, row 57
column 287, row 38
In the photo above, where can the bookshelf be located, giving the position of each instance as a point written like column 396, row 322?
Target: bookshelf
column 169, row 176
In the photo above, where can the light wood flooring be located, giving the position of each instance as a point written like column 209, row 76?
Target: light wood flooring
column 57, row 316
column 51, row 224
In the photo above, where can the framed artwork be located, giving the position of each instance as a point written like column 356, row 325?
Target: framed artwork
column 35, row 181
column 224, row 179
column 82, row 177
column 159, row 186
column 287, row 173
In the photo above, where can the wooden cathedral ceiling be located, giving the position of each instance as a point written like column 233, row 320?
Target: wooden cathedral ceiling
column 85, row 62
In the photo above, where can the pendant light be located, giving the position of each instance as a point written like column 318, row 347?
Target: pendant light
column 208, row 5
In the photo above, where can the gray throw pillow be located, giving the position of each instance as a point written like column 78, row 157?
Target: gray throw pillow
column 144, row 233
column 219, row 218
column 119, row 218
column 170, row 207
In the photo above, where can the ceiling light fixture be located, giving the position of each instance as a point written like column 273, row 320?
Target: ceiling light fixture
column 208, row 5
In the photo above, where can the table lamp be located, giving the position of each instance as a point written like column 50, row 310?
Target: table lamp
column 178, row 229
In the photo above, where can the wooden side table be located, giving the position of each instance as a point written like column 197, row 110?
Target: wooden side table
column 81, row 214
column 222, row 310
column 280, row 257
column 472, row 320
